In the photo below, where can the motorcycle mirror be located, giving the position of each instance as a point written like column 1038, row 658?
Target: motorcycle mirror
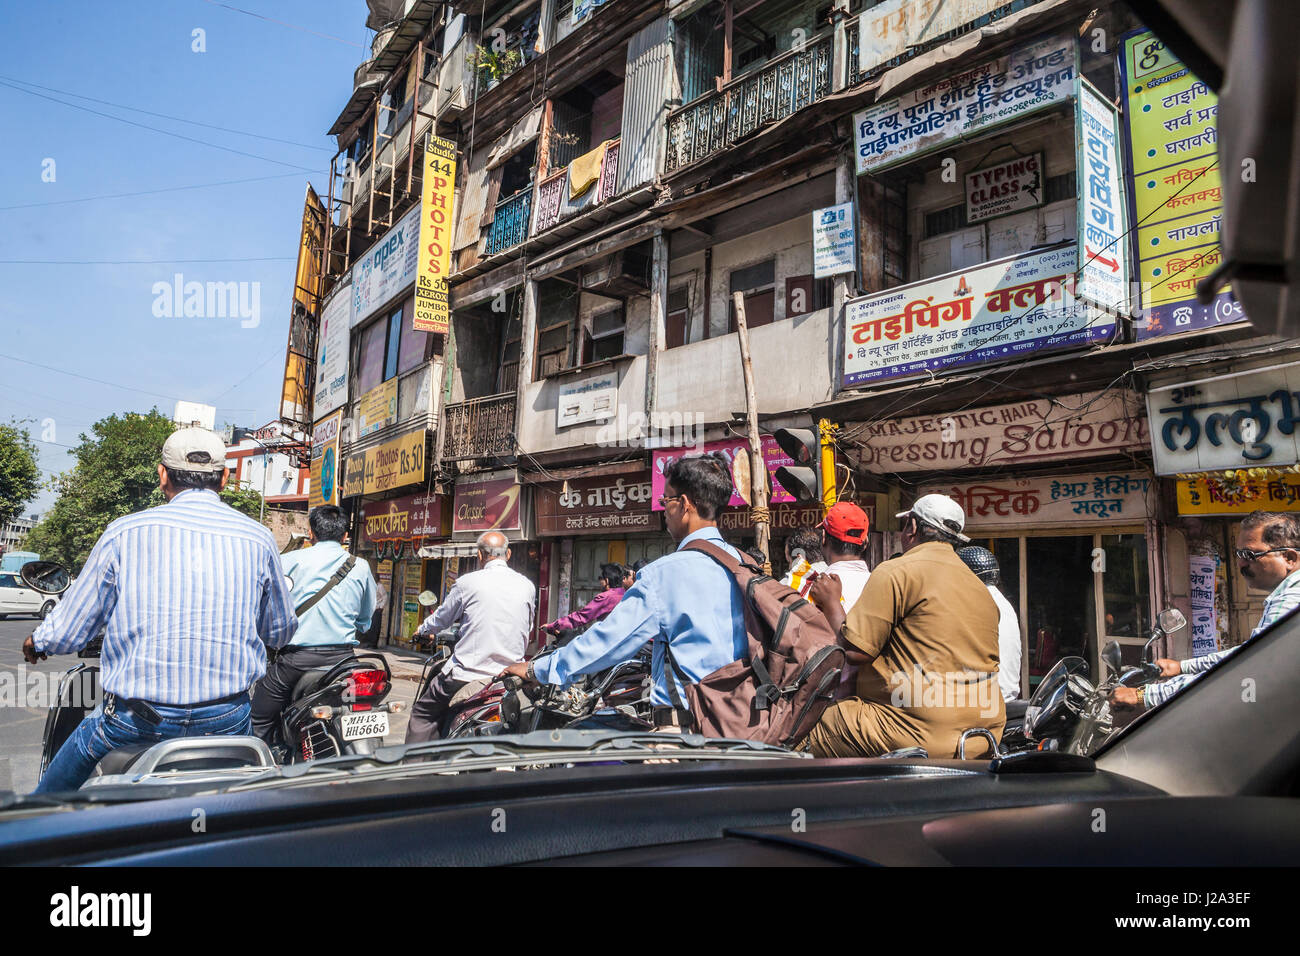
column 1171, row 619
column 427, row 598
column 48, row 577
column 1110, row 656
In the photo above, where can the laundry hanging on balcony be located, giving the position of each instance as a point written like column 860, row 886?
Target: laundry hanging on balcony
column 584, row 171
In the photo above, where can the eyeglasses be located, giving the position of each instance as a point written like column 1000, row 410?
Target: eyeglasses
column 663, row 499
column 1246, row 554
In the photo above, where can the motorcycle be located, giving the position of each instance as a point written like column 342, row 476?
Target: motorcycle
column 338, row 710
column 1068, row 713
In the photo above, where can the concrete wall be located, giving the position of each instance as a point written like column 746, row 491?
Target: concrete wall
column 535, row 422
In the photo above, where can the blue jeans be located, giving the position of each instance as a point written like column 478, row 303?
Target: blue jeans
column 97, row 734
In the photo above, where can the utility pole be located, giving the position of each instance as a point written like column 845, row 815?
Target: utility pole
column 759, row 516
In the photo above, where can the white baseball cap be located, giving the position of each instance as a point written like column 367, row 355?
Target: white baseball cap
column 939, row 511
column 194, row 449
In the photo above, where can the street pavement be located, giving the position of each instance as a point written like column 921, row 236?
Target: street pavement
column 27, row 691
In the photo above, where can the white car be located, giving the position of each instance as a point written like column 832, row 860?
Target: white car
column 17, row 598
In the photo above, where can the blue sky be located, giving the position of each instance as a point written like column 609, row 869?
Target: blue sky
column 275, row 79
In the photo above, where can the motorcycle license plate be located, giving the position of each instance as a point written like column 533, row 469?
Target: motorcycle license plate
column 369, row 724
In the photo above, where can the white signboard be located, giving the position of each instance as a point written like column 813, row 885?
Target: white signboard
column 1111, row 497
column 1201, row 579
column 588, row 400
column 1245, row 420
column 998, row 311
column 1032, row 78
column 1008, row 187
column 833, row 240
column 889, row 28
column 332, row 351
column 388, row 268
column 1103, row 214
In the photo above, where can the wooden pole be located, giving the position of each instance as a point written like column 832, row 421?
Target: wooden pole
column 759, row 516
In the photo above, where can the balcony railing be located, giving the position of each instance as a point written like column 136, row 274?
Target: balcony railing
column 553, row 202
column 717, row 121
column 510, row 222
column 480, row 428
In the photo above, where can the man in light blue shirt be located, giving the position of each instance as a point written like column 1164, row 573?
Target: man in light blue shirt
column 685, row 599
column 327, row 631
column 189, row 596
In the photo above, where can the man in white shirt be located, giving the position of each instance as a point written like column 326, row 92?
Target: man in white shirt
column 985, row 565
column 844, row 541
column 495, row 607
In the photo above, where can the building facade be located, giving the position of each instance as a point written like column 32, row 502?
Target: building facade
column 968, row 234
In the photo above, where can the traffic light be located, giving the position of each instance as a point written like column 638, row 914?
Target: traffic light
column 812, row 476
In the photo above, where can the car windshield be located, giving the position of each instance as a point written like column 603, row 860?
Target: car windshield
column 725, row 384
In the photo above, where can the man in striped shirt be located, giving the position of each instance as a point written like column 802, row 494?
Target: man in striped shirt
column 189, row 596
column 1268, row 554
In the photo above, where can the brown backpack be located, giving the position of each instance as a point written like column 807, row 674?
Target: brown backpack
column 778, row 692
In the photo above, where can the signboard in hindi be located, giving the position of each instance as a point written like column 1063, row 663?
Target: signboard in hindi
column 1052, row 500
column 773, row 457
column 402, row 519
column 1034, row 77
column 1276, row 491
column 834, row 246
column 332, row 351
column 591, row 399
column 395, row 463
column 1202, row 581
column 1065, row 427
column 377, row 408
column 1103, row 221
column 1174, row 188
column 606, row 505
column 437, row 204
column 889, row 29
column 1011, row 186
column 1248, row 419
column 387, row 269
column 997, row 311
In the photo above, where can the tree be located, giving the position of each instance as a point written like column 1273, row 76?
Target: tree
column 116, row 474
column 20, row 476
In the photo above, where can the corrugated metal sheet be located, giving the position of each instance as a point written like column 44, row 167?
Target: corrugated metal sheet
column 645, row 104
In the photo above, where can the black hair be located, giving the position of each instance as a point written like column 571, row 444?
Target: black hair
column 807, row 540
column 836, row 545
column 705, row 479
column 757, row 556
column 612, row 574
column 1279, row 529
column 204, row 480
column 328, row 522
column 928, row 532
column 638, row 565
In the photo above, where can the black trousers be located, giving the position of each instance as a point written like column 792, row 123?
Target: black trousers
column 272, row 692
column 428, row 713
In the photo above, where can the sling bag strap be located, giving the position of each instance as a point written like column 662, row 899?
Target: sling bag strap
column 343, row 571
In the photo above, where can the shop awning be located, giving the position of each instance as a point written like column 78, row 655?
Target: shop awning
column 448, row 549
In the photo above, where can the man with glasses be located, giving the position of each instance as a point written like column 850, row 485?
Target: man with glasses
column 1268, row 554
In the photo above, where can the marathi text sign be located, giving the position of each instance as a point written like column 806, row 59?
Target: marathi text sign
column 773, row 456
column 605, row 505
column 1103, row 274
column 592, row 399
column 1032, row 78
column 395, row 463
column 491, row 505
column 1247, row 419
column 387, row 269
column 833, row 240
column 1278, row 491
column 1004, row 188
column 1202, row 580
column 432, row 306
column 332, row 351
column 402, row 519
column 997, row 311
column 1036, row 430
column 1175, row 190
column 378, row 408
column 890, row 28
column 1106, row 497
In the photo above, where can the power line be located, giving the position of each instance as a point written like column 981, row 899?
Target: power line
column 97, row 381
column 136, row 262
column 166, row 116
column 155, row 129
column 242, row 381
column 149, row 192
column 291, row 26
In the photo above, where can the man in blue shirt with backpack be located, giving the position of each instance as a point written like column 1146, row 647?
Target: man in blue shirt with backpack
column 685, row 601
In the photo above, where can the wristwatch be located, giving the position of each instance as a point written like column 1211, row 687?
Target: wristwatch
column 530, row 675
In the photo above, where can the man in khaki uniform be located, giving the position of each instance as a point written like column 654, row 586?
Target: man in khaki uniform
column 926, row 633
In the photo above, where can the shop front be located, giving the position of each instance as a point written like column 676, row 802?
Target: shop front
column 396, row 531
column 587, row 522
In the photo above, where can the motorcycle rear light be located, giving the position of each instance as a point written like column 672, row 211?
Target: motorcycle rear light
column 369, row 683
column 360, row 707
column 322, row 713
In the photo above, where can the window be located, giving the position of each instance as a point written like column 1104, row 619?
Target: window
column 679, row 318
column 585, row 117
column 557, row 313
column 804, row 294
column 758, row 283
column 389, row 348
column 605, row 340
column 510, row 355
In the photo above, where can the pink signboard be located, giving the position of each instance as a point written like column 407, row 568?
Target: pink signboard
column 772, row 455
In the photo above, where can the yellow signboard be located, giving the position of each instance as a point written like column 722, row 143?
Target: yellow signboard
column 378, row 408
column 432, row 307
column 395, row 463
column 1279, row 491
column 295, row 397
column 325, row 461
